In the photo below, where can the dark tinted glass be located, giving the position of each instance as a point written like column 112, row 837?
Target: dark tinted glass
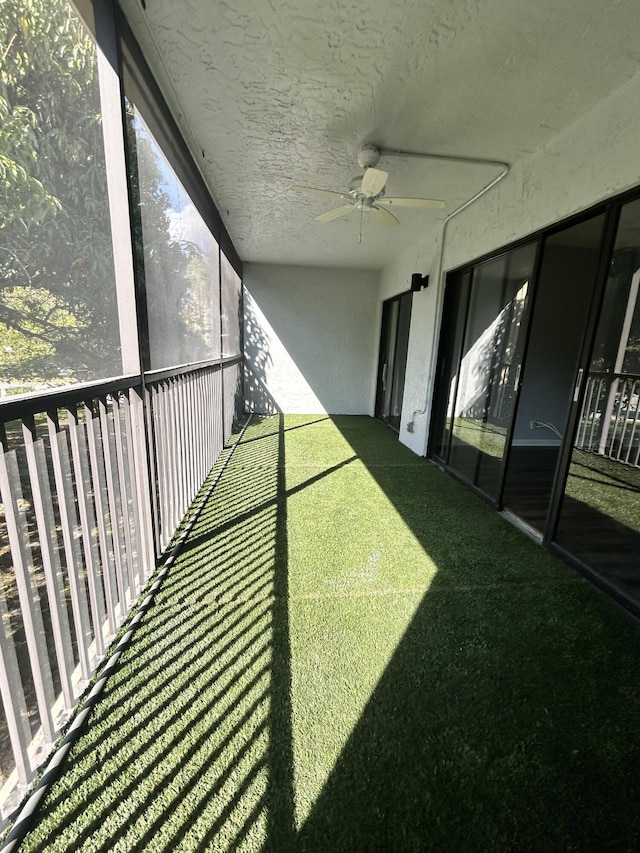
column 600, row 514
column 488, row 371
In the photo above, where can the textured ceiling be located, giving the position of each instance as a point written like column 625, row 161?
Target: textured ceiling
column 283, row 92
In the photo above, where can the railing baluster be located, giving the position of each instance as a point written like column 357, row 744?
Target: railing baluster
column 69, row 523
column 157, row 472
column 165, row 459
column 12, row 499
column 193, row 448
column 45, row 521
column 195, row 425
column 617, row 407
column 125, row 503
column 13, row 701
column 623, row 419
column 112, row 502
column 596, row 401
column 203, row 434
column 181, row 447
column 100, row 498
column 633, row 396
column 131, row 490
column 187, row 448
column 196, row 432
column 144, row 423
column 220, row 438
column 584, row 414
column 77, row 434
column 140, row 441
column 227, row 385
column 11, row 689
column 177, row 445
column 175, row 452
column 205, row 414
column 207, row 401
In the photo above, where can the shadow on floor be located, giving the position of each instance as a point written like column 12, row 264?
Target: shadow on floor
column 505, row 716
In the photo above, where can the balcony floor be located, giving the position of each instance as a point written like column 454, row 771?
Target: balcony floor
column 353, row 653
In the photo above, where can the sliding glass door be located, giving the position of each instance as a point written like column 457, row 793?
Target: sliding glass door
column 392, row 365
column 537, row 398
column 564, row 292
column 599, row 518
column 487, row 371
column 456, row 304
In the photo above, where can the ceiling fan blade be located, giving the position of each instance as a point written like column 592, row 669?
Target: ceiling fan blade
column 425, row 203
column 384, row 216
column 373, row 181
column 316, row 191
column 335, row 213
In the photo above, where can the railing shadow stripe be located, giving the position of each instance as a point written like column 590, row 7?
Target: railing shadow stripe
column 28, row 811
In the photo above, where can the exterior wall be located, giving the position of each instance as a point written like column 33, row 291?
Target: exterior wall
column 597, row 157
column 424, row 312
column 310, row 339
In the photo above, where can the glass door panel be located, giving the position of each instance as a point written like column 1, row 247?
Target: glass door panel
column 394, row 344
column 387, row 356
column 454, row 313
column 599, row 519
column 400, row 361
column 488, row 373
column 563, row 296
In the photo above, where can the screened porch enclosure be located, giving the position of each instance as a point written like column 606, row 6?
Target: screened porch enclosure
column 335, row 585
column 120, row 355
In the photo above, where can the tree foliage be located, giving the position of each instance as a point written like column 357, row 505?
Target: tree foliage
column 174, row 255
column 57, row 296
column 58, row 309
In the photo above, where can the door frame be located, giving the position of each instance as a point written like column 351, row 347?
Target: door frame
column 611, row 209
column 384, row 347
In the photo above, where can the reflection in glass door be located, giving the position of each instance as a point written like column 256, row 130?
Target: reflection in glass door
column 489, row 367
column 392, row 364
column 537, row 397
column 454, row 312
column 564, row 291
column 600, row 513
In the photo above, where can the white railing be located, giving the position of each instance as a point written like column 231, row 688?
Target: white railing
column 190, row 417
column 94, row 482
column 610, row 418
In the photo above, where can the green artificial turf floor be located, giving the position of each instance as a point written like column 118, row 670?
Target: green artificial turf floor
column 353, row 654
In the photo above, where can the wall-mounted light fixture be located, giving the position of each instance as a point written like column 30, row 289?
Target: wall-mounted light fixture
column 418, row 281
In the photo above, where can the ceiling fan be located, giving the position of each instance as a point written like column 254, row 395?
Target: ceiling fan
column 367, row 193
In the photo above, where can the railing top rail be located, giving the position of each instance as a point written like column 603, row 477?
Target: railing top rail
column 168, row 373
column 606, row 374
column 25, row 405
column 56, row 398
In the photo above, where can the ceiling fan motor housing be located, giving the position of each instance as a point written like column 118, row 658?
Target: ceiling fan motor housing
column 368, row 156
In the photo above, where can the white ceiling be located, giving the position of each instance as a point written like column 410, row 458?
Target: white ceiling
column 282, row 92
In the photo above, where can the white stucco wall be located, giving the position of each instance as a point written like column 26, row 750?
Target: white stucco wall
column 310, row 338
column 596, row 158
column 424, row 311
